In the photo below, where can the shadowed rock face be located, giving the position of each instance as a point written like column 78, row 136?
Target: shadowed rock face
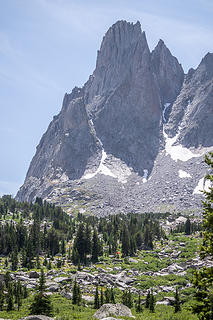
column 169, row 73
column 107, row 146
column 192, row 112
column 68, row 143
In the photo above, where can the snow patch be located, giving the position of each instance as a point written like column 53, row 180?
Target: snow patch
column 166, row 105
column 102, row 169
column 91, row 122
column 184, row 174
column 202, row 186
column 179, row 152
column 120, row 170
column 145, row 175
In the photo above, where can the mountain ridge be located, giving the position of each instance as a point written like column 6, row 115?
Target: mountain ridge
column 113, row 133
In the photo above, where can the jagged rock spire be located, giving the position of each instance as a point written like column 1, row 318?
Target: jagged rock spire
column 169, row 73
column 122, row 44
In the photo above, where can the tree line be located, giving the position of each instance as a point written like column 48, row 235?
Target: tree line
column 28, row 230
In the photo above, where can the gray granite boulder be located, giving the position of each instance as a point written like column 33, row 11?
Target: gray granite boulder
column 37, row 317
column 110, row 309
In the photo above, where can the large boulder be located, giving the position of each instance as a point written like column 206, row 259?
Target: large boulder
column 33, row 274
column 110, row 318
column 110, row 309
column 66, row 294
column 37, row 317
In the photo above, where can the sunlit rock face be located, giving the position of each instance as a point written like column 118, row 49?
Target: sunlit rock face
column 133, row 137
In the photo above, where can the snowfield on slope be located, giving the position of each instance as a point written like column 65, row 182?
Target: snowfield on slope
column 178, row 152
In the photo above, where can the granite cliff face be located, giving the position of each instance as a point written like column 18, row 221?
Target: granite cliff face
column 123, row 99
column 168, row 71
column 192, row 112
column 119, row 142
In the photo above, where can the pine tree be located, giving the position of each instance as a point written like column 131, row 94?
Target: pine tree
column 6, row 263
column 79, row 243
column 129, row 299
column 114, row 243
column 19, row 295
column 107, row 295
column 139, row 239
column 49, row 265
column 42, row 281
column 124, row 298
column 102, row 297
column 2, row 297
column 23, row 258
column 148, row 244
column 25, row 292
column 10, row 297
column 7, row 279
column 132, row 245
column 88, row 244
column 112, row 296
column 41, row 303
column 14, row 260
column 138, row 306
column 63, row 247
column 177, row 301
column 203, row 278
column 69, row 254
column 29, row 254
column 147, row 303
column 96, row 299
column 45, row 261
column 75, row 256
column 125, row 242
column 75, row 293
column 188, row 227
column 38, row 265
column 95, row 246
column 152, row 302
column 78, row 295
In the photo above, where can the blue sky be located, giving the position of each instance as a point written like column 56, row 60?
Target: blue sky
column 49, row 46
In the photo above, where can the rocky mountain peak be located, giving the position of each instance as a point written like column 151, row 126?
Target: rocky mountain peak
column 208, row 59
column 205, row 68
column 123, row 47
column 119, row 37
column 68, row 97
column 169, row 73
column 160, row 45
column 122, row 33
column 107, row 148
